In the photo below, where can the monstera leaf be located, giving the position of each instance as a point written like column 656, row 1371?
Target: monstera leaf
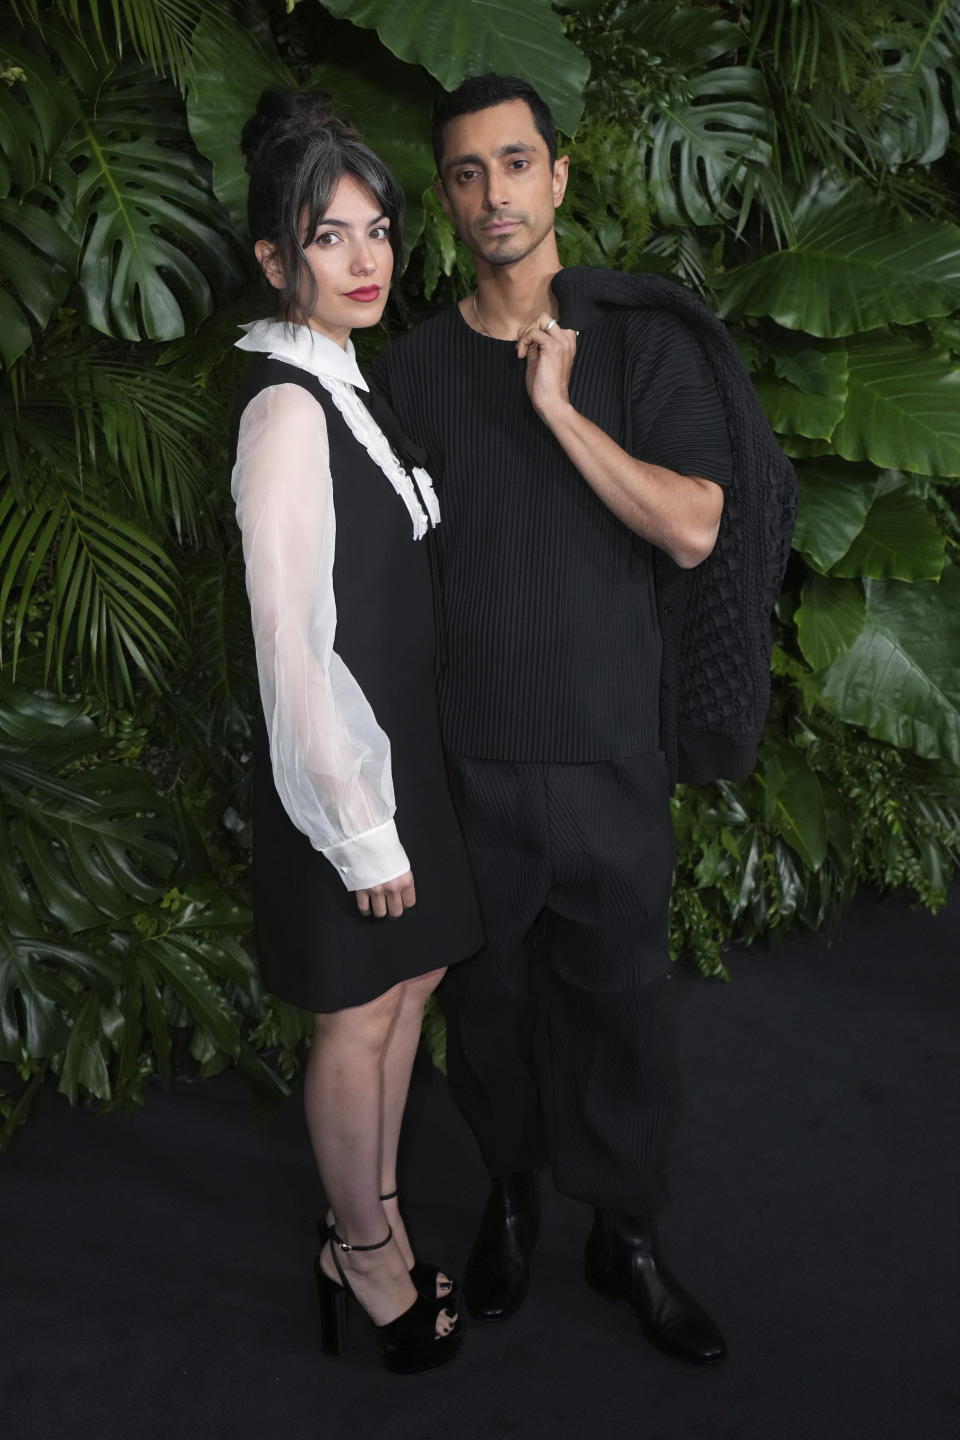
column 855, row 264
column 921, row 64
column 900, row 679
column 38, row 261
column 36, row 112
column 38, row 240
column 102, row 177
column 154, row 247
column 711, row 149
column 35, row 998
column 74, row 853
column 475, row 36
column 92, row 847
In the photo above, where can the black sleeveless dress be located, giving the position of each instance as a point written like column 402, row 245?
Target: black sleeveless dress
column 314, row 948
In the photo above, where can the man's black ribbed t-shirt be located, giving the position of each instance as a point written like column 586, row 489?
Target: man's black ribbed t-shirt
column 552, row 644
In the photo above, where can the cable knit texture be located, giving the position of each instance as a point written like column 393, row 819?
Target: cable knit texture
column 715, row 620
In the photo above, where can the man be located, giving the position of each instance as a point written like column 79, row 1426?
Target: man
column 580, row 427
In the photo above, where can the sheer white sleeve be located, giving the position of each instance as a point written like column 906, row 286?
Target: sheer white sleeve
column 331, row 760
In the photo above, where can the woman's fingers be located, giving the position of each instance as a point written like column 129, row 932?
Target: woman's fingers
column 390, row 898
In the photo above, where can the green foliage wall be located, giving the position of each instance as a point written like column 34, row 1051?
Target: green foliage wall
column 795, row 164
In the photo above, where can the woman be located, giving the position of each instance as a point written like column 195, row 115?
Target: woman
column 355, row 918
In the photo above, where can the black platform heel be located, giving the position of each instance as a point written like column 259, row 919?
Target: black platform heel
column 426, row 1277
column 408, row 1344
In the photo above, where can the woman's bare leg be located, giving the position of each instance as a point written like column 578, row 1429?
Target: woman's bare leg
column 343, row 1098
column 398, row 1067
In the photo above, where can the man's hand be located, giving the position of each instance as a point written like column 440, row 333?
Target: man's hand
column 390, row 898
column 548, row 351
column 678, row 513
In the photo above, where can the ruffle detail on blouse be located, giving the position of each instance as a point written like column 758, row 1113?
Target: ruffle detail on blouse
column 367, row 432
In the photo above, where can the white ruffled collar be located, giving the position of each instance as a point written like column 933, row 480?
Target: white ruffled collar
column 306, row 348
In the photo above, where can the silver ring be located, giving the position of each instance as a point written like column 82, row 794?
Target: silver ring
column 549, row 326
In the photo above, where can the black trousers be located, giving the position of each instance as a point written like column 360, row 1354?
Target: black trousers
column 560, row 1035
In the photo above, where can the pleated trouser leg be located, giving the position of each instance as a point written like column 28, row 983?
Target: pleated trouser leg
column 560, row 1033
column 491, row 1011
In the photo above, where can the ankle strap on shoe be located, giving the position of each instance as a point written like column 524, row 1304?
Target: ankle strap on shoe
column 392, row 1196
column 342, row 1244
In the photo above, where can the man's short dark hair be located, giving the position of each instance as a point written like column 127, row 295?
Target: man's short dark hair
column 480, row 92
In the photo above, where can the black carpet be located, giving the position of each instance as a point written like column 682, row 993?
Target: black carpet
column 157, row 1272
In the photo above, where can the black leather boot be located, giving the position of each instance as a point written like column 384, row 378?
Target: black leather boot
column 622, row 1264
column 498, row 1269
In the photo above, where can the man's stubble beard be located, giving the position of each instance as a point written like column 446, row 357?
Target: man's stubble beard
column 507, row 254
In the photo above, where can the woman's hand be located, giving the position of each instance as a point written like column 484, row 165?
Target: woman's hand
column 390, row 898
column 548, row 351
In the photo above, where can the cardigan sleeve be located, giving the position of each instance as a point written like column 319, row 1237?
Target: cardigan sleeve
column 679, row 420
column 330, row 759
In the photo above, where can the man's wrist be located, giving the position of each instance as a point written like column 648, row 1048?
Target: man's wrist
column 556, row 411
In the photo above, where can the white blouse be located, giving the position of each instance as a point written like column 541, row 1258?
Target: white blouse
column 330, row 758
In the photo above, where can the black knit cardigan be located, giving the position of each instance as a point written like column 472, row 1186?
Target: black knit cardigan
column 715, row 619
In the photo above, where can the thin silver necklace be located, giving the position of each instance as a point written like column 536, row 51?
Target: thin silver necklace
column 483, row 327
column 479, row 321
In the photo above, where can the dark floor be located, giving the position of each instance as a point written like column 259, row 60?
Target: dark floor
column 157, row 1273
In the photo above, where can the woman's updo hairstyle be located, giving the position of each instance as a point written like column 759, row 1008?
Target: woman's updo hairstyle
column 296, row 150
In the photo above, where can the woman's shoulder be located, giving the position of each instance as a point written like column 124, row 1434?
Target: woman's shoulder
column 266, row 371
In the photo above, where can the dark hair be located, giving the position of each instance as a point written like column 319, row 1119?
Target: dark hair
column 480, row 92
column 296, row 150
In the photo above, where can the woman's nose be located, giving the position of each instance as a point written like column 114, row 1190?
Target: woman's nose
column 363, row 260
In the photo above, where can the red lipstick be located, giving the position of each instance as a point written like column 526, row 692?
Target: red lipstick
column 364, row 293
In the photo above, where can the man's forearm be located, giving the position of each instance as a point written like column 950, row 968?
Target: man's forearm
column 678, row 513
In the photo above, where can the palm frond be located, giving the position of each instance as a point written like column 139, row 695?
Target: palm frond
column 160, row 32
column 148, row 430
column 108, row 591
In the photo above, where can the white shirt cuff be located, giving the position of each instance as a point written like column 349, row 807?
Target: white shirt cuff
column 369, row 859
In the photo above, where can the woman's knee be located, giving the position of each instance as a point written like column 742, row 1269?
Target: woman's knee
column 367, row 1025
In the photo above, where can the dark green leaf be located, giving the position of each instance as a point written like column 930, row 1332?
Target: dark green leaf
column 794, row 801
column 810, row 412
column 32, row 997
column 834, row 500
column 156, row 247
column 475, row 36
column 900, row 540
column 708, row 147
column 856, row 264
column 84, row 1063
column 900, row 679
column 217, row 111
column 389, row 103
column 829, row 619
column 903, row 407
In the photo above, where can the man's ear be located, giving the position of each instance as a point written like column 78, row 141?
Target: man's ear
column 561, row 171
column 269, row 263
column 440, row 190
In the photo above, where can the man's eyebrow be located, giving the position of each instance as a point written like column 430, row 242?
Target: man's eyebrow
column 516, row 147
